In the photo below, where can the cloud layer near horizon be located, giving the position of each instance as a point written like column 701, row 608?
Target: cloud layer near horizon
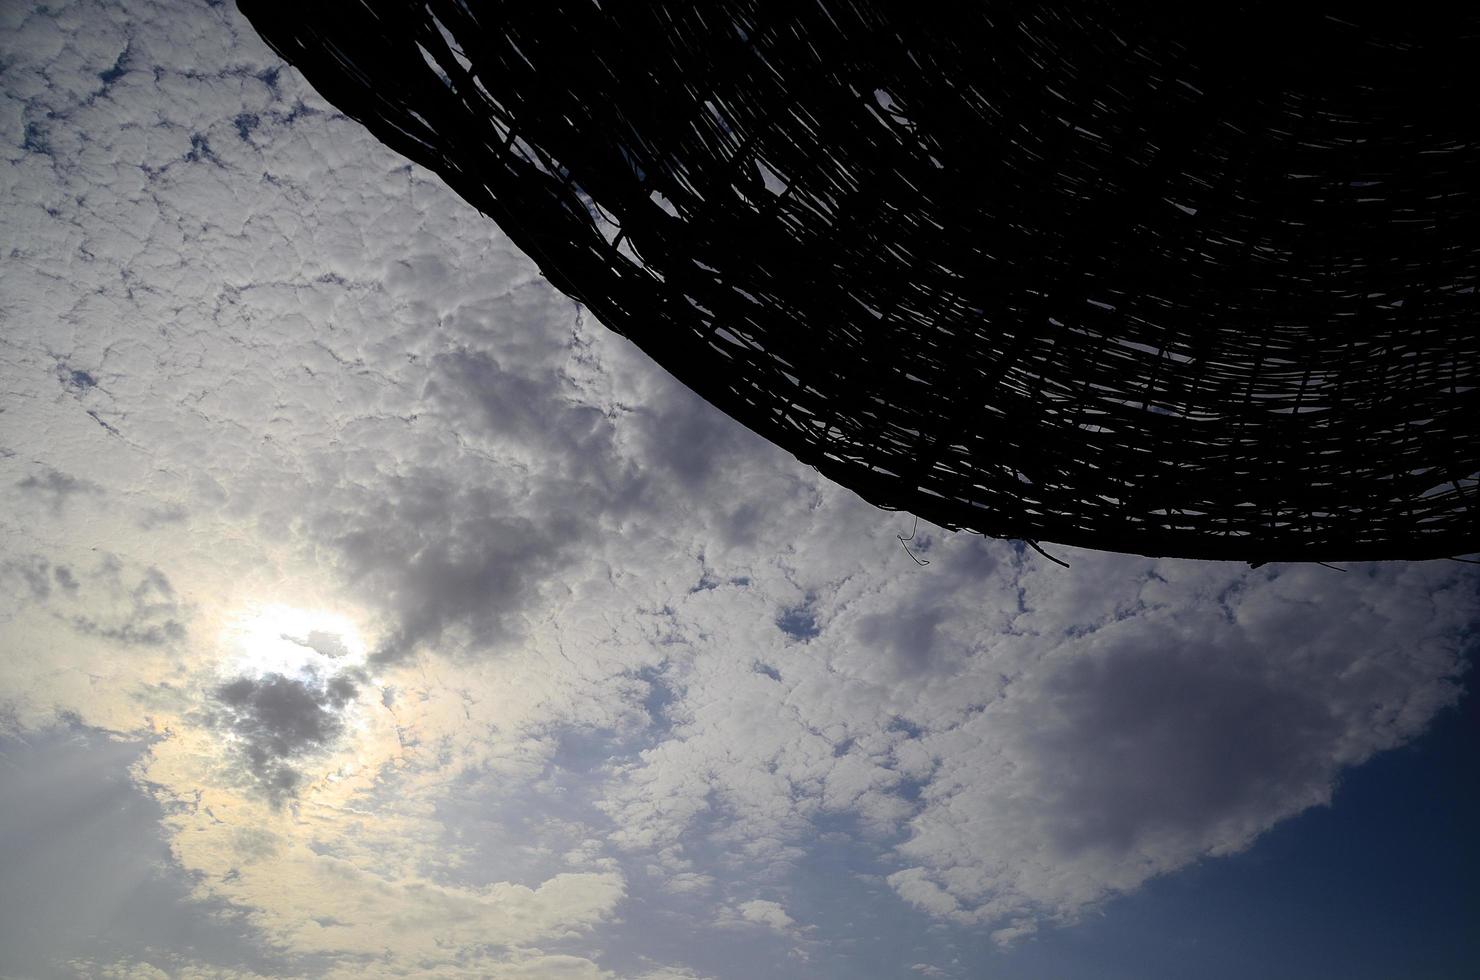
column 625, row 666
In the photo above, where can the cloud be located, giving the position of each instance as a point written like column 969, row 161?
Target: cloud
column 56, row 488
column 1227, row 702
column 630, row 663
column 86, row 872
column 33, row 575
column 445, row 557
column 148, row 613
column 772, row 915
column 322, row 642
column 278, row 721
column 1088, row 741
column 179, row 968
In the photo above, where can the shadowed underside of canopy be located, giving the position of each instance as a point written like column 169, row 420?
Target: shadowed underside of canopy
column 1045, row 271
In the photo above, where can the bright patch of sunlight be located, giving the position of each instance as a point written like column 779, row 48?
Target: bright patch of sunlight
column 279, row 639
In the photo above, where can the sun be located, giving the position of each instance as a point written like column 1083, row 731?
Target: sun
column 282, row 639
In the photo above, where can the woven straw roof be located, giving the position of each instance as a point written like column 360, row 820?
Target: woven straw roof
column 1044, row 271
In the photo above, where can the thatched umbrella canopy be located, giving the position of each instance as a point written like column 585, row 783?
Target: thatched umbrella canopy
column 1197, row 285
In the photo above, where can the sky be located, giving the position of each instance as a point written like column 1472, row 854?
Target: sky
column 368, row 609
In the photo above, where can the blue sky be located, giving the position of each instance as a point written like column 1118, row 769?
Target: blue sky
column 370, row 610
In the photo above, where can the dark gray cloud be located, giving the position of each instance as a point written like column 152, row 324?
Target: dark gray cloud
column 1149, row 732
column 32, row 574
column 65, row 579
column 690, row 443
column 906, row 637
column 280, row 722
column 161, row 516
column 526, row 403
column 149, row 634
column 145, row 612
column 56, row 488
column 126, row 604
column 446, row 557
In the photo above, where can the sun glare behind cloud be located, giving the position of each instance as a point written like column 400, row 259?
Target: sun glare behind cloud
column 281, row 639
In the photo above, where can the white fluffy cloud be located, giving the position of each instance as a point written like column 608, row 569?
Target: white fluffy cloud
column 624, row 663
column 761, row 912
